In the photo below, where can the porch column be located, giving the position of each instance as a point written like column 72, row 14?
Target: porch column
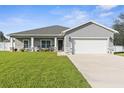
column 11, row 44
column 55, row 44
column 32, row 44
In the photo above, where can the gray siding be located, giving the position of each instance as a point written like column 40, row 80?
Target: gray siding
column 91, row 30
column 37, row 41
column 19, row 42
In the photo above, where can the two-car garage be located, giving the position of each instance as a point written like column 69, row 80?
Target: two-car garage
column 89, row 38
column 89, row 45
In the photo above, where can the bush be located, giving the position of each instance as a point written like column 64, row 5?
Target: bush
column 38, row 50
column 45, row 49
column 22, row 50
column 15, row 49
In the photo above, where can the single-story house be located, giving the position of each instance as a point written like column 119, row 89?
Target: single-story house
column 90, row 37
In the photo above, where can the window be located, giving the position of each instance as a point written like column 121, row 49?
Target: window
column 45, row 43
column 26, row 44
column 48, row 44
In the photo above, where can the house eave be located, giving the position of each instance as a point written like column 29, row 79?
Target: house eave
column 34, row 35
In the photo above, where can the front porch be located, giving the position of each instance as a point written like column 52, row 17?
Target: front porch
column 37, row 43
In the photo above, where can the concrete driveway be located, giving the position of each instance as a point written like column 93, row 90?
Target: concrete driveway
column 100, row 70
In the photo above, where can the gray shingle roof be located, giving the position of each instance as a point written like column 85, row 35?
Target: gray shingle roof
column 50, row 30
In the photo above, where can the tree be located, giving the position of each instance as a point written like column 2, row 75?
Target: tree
column 119, row 26
column 2, row 37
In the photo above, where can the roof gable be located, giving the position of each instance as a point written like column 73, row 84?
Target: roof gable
column 88, row 23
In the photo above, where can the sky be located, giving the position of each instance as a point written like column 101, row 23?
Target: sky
column 20, row 18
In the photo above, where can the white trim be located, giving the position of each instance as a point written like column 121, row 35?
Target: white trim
column 45, row 40
column 32, row 42
column 64, row 41
column 60, row 39
column 89, row 37
column 110, row 29
column 28, row 42
column 55, row 44
column 14, row 45
column 11, row 42
column 34, row 35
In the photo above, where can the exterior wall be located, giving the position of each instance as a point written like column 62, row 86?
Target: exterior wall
column 91, row 30
column 37, row 41
column 19, row 42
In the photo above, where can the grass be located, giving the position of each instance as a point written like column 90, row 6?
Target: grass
column 120, row 54
column 38, row 70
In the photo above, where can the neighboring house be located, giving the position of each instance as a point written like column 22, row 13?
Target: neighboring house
column 90, row 37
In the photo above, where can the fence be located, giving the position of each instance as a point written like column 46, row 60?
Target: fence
column 118, row 48
column 4, row 46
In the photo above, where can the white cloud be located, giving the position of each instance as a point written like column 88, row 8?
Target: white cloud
column 76, row 16
column 106, row 14
column 106, row 7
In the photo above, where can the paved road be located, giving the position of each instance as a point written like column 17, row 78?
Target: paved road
column 101, row 70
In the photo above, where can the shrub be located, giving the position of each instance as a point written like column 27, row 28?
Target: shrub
column 15, row 49
column 22, row 50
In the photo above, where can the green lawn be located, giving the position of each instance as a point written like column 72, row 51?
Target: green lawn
column 119, row 54
column 38, row 69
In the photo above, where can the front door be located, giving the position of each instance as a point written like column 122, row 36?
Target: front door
column 60, row 44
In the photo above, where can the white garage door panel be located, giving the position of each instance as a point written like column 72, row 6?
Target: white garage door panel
column 90, row 46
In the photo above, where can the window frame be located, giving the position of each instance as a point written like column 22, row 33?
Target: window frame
column 24, row 44
column 45, row 42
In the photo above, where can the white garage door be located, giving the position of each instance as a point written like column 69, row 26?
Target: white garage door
column 81, row 46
